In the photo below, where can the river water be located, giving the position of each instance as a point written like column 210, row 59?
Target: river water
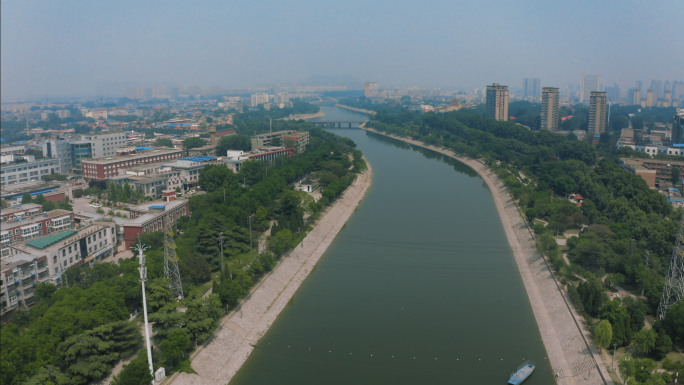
column 419, row 287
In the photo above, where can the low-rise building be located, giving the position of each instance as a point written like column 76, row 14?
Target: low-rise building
column 21, row 230
column 103, row 168
column 25, row 211
column 23, row 168
column 300, row 138
column 19, row 276
column 154, row 216
column 652, row 170
column 68, row 248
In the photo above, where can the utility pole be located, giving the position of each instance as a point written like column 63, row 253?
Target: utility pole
column 612, row 366
column 646, row 263
column 250, row 232
column 221, row 242
column 143, row 278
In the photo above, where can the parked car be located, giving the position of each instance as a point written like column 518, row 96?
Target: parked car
column 95, row 205
column 87, row 197
column 191, row 192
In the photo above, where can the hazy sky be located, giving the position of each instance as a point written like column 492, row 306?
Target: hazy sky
column 66, row 47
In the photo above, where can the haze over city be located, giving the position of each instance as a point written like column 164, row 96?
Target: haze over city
column 66, row 48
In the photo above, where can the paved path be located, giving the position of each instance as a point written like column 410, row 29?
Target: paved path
column 223, row 355
column 567, row 341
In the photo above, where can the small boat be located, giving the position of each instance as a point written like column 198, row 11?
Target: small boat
column 525, row 370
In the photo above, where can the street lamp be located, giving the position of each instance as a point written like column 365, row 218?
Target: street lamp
column 612, row 366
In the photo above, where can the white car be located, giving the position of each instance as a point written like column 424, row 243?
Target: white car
column 191, row 192
column 95, row 205
column 87, row 197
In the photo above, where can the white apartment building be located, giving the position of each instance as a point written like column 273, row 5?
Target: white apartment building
column 59, row 149
column 260, row 99
column 17, row 169
column 69, row 248
column 104, row 144
column 590, row 83
column 96, row 114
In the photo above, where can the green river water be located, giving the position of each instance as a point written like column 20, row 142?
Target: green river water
column 419, row 287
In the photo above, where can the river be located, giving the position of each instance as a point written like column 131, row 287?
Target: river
column 420, row 287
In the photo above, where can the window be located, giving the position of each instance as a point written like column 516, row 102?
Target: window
column 65, row 263
column 56, row 269
column 54, row 259
column 69, row 249
column 71, row 260
column 63, row 253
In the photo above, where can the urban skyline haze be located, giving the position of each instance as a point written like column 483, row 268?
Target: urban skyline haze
column 66, row 48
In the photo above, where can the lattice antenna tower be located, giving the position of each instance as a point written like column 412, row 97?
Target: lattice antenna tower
column 171, row 270
column 674, row 281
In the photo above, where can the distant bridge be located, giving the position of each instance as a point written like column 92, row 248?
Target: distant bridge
column 336, row 123
column 318, row 99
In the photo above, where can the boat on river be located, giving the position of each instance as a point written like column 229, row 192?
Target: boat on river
column 522, row 373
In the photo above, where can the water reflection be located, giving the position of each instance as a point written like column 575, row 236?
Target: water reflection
column 429, row 154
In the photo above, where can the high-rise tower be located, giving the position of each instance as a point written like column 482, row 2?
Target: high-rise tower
column 549, row 112
column 531, row 87
column 590, row 83
column 598, row 107
column 497, row 102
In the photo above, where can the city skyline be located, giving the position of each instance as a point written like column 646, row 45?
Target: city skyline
column 299, row 40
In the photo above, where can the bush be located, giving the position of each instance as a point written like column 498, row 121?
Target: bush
column 137, row 372
column 539, row 228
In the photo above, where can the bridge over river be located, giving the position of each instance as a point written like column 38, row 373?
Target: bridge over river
column 336, row 123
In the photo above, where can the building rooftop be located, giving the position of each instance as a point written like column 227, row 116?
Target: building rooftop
column 24, row 207
column 155, row 152
column 47, row 241
column 145, row 207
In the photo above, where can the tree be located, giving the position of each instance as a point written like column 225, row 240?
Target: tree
column 281, row 242
column 44, row 291
column 35, row 152
column 663, row 345
column 603, row 335
column 136, row 372
column 675, row 175
column 637, row 122
column 276, row 142
column 90, row 355
column 193, row 143
column 674, row 321
column 645, row 340
column 26, row 198
column 163, row 142
column 619, row 122
column 233, row 142
column 174, row 345
column 214, row 176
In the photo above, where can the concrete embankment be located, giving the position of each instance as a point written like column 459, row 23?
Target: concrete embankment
column 568, row 343
column 355, row 109
column 304, row 116
column 218, row 360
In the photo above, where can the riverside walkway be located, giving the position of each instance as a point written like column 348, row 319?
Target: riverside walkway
column 568, row 343
column 217, row 361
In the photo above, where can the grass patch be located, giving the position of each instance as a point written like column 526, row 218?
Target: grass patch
column 563, row 248
column 186, row 367
column 572, row 231
column 538, row 222
column 204, row 288
column 561, row 236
